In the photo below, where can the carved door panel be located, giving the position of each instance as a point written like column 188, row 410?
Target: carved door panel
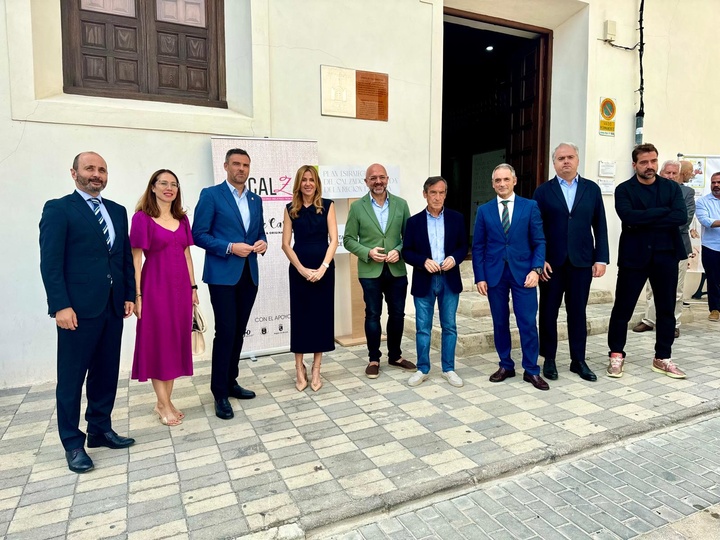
column 527, row 130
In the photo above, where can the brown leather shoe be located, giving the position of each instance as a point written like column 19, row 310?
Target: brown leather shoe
column 677, row 333
column 537, row 381
column 501, row 374
column 402, row 364
column 642, row 327
column 372, row 371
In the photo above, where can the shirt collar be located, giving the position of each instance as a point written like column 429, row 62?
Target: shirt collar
column 373, row 201
column 511, row 198
column 561, row 181
column 442, row 213
column 235, row 191
column 87, row 196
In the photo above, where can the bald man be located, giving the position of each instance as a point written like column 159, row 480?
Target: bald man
column 87, row 269
column 374, row 232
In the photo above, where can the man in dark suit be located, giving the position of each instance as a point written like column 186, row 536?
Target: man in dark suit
column 89, row 279
column 577, row 250
column 229, row 226
column 508, row 255
column 435, row 244
column 651, row 209
column 679, row 172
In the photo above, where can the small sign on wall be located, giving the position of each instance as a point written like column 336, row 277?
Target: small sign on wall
column 353, row 94
column 608, row 109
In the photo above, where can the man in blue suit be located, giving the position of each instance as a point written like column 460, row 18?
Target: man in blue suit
column 435, row 244
column 508, row 255
column 229, row 226
column 575, row 227
column 88, row 273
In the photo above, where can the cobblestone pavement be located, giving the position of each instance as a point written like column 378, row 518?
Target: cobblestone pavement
column 306, row 460
column 621, row 492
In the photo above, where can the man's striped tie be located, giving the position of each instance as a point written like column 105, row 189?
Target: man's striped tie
column 505, row 217
column 96, row 209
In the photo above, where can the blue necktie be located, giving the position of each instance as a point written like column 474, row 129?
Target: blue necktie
column 505, row 217
column 96, row 210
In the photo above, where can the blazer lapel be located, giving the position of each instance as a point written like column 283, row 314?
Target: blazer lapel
column 367, row 204
column 557, row 191
column 518, row 213
column 84, row 210
column 230, row 199
column 581, row 186
column 497, row 220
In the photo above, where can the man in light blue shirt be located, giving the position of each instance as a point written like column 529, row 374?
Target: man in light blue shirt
column 708, row 214
column 435, row 244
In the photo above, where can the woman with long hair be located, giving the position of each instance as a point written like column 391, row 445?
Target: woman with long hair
column 166, row 291
column 311, row 220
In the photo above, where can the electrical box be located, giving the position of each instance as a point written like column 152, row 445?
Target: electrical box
column 609, row 30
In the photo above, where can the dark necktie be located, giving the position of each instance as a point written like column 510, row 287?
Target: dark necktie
column 505, row 217
column 96, row 210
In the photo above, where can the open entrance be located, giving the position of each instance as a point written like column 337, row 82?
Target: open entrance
column 496, row 90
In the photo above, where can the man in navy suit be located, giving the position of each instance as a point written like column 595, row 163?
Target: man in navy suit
column 435, row 244
column 89, row 279
column 508, row 255
column 651, row 209
column 577, row 251
column 229, row 226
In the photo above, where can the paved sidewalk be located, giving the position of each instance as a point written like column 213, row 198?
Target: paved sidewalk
column 664, row 486
column 310, row 459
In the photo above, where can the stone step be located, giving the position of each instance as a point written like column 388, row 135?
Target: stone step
column 475, row 334
column 473, row 304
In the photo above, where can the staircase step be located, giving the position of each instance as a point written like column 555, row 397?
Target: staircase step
column 473, row 304
column 475, row 334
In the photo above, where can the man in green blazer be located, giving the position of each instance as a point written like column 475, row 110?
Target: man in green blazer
column 374, row 233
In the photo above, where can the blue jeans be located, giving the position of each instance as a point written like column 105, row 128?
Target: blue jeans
column 395, row 291
column 447, row 309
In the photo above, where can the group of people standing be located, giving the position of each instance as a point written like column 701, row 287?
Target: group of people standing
column 97, row 271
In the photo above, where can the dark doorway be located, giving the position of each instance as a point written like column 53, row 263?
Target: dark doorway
column 495, row 105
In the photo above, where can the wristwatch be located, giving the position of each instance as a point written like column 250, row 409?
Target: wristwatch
column 538, row 271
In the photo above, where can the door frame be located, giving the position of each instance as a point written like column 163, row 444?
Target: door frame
column 544, row 82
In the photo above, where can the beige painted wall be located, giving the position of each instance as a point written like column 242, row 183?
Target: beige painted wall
column 41, row 129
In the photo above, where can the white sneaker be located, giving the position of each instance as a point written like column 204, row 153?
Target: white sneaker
column 417, row 378
column 453, row 378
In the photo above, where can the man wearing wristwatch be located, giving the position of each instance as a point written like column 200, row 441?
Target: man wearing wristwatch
column 509, row 255
column 229, row 226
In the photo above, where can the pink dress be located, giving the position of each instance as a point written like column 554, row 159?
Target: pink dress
column 163, row 344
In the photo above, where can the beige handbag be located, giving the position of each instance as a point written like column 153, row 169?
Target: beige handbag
column 198, row 329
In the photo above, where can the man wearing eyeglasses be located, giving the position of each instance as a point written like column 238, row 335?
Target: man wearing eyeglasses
column 374, row 232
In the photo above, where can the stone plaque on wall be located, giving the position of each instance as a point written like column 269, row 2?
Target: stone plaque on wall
column 354, row 94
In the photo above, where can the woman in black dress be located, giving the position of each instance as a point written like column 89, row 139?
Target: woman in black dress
column 311, row 219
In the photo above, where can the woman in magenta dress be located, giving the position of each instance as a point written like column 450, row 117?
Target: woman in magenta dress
column 166, row 291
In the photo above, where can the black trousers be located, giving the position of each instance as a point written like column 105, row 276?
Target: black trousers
column 92, row 350
column 662, row 272
column 573, row 283
column 711, row 264
column 231, row 305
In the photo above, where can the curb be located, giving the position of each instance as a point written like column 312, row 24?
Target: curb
column 474, row 477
